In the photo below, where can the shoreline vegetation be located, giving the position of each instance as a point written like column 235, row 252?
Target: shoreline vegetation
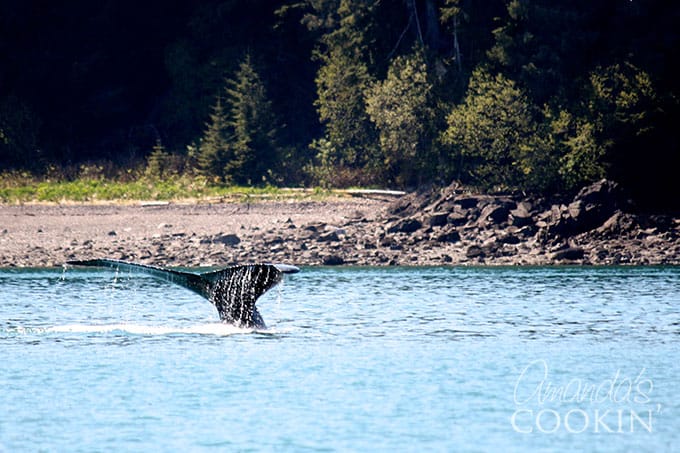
column 20, row 188
column 24, row 188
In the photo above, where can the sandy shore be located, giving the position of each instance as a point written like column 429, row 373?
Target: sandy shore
column 187, row 234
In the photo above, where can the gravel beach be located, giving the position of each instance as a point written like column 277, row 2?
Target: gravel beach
column 179, row 234
column 446, row 226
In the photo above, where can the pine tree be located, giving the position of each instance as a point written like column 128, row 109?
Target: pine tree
column 214, row 148
column 253, row 151
column 159, row 162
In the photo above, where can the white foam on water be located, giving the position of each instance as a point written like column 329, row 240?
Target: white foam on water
column 217, row 329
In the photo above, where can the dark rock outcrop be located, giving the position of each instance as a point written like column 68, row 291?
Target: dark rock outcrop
column 408, row 225
column 437, row 218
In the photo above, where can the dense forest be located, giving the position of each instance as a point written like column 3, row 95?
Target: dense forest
column 541, row 96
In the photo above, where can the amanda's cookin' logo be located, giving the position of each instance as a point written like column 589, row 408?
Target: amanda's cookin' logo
column 619, row 403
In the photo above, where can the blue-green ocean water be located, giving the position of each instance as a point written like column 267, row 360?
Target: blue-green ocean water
column 355, row 359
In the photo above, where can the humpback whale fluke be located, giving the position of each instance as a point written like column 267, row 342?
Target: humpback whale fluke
column 232, row 290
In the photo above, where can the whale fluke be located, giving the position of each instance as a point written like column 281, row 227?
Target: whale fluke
column 232, row 290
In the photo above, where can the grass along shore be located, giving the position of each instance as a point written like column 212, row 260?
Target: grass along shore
column 23, row 188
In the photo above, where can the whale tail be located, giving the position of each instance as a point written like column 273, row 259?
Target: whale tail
column 233, row 290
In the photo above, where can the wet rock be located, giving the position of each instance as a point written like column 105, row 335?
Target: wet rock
column 407, row 225
column 568, row 253
column 112, row 233
column 227, row 239
column 474, row 251
column 333, row 260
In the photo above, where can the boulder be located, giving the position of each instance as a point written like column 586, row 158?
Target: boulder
column 226, row 239
column 593, row 205
column 449, row 236
column 458, row 217
column 493, row 214
column 273, row 240
column 333, row 260
column 617, row 224
column 603, row 192
column 521, row 215
column 408, row 225
column 468, row 201
column 558, row 222
column 330, row 236
column 437, row 219
column 508, row 238
column 527, row 231
column 314, row 227
column 474, row 251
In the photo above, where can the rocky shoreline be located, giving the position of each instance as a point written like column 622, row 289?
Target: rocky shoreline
column 440, row 227
column 595, row 227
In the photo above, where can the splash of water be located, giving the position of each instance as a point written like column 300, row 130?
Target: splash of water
column 217, row 329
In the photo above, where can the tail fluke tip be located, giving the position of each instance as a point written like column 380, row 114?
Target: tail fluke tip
column 286, row 268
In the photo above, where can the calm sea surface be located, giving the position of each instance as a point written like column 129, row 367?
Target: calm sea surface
column 355, row 359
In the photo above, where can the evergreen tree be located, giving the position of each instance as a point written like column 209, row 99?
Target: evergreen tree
column 159, row 162
column 254, row 151
column 214, row 148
